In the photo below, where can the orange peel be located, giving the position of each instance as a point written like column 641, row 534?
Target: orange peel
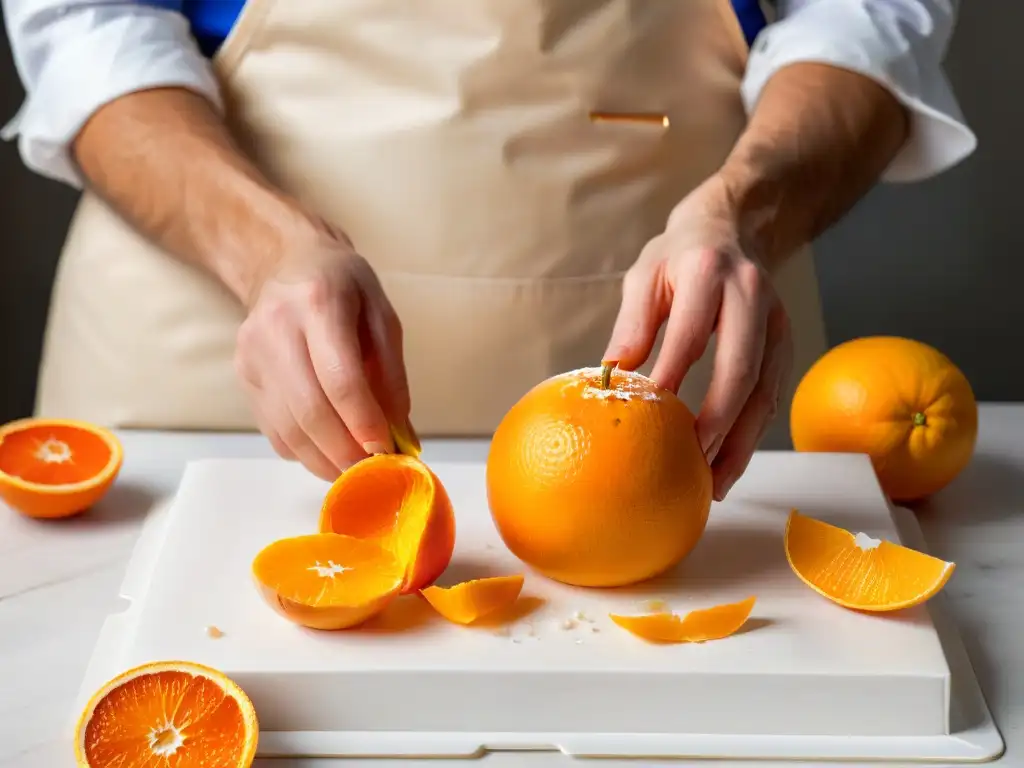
column 167, row 713
column 471, row 600
column 858, row 572
column 399, row 503
column 697, row 626
column 326, row 580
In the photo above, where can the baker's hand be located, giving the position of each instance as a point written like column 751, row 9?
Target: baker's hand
column 320, row 355
column 701, row 276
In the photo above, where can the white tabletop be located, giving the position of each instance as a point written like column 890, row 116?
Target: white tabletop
column 59, row 579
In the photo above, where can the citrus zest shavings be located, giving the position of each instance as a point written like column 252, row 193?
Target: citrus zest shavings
column 858, row 572
column 472, row 600
column 695, row 627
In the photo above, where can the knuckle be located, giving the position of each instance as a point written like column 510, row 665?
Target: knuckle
column 292, row 433
column 318, row 293
column 309, row 411
column 751, row 278
column 711, row 263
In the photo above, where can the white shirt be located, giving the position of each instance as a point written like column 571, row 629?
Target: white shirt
column 74, row 56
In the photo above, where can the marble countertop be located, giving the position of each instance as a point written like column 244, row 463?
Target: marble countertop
column 59, row 579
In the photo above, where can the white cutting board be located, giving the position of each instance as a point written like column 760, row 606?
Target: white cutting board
column 805, row 678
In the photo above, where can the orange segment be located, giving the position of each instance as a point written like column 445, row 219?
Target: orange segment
column 171, row 713
column 397, row 502
column 326, row 580
column 696, row 627
column 471, row 600
column 859, row 572
column 56, row 467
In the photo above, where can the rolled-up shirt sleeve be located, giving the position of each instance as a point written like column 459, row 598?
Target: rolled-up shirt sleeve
column 900, row 44
column 75, row 56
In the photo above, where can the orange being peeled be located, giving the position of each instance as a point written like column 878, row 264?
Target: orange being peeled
column 598, row 483
column 902, row 402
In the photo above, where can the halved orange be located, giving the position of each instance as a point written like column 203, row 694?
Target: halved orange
column 399, row 503
column 859, row 572
column 471, row 600
column 170, row 713
column 56, row 467
column 696, row 627
column 326, row 580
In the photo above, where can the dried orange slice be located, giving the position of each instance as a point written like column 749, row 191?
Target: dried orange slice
column 56, row 467
column 326, row 580
column 172, row 713
column 471, row 600
column 399, row 503
column 696, row 627
column 860, row 572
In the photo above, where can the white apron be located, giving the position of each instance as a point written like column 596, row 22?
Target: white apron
column 455, row 142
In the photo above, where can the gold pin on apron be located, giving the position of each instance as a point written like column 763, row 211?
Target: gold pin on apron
column 650, row 118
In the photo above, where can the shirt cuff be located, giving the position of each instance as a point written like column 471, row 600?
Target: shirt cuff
column 848, row 36
column 117, row 54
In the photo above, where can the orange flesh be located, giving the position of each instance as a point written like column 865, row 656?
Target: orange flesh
column 167, row 718
column 698, row 626
column 860, row 573
column 396, row 502
column 327, row 570
column 471, row 600
column 53, row 455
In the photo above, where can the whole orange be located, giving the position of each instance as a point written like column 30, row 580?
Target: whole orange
column 900, row 401
column 598, row 486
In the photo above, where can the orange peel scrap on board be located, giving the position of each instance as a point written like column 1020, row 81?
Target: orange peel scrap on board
column 859, row 572
column 697, row 626
column 472, row 600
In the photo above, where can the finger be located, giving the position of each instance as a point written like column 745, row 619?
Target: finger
column 645, row 304
column 741, row 334
column 384, row 332
column 276, row 420
column 760, row 409
column 691, row 321
column 298, row 390
column 270, row 432
column 332, row 340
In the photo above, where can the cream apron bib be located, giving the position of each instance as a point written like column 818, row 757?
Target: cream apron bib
column 501, row 163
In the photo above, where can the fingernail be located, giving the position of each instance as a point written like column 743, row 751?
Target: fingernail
column 711, row 447
column 726, row 486
column 373, row 448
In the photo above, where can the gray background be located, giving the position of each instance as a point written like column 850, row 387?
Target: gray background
column 939, row 261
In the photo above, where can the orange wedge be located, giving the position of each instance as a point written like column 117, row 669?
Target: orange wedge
column 172, row 713
column 696, row 627
column 859, row 572
column 397, row 502
column 56, row 467
column 326, row 580
column 471, row 600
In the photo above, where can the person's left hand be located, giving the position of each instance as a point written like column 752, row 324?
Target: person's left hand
column 702, row 276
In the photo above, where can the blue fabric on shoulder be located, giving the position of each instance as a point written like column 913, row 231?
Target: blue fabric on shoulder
column 212, row 20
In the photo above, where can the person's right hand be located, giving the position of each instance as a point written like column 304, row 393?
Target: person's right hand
column 320, row 355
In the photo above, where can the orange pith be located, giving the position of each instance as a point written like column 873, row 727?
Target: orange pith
column 858, row 572
column 598, row 487
column 901, row 402
column 56, row 467
column 168, row 715
column 697, row 626
column 327, row 580
column 472, row 600
column 398, row 502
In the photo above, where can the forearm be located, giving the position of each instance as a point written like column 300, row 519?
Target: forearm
column 818, row 140
column 165, row 161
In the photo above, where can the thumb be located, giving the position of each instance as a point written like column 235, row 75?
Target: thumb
column 640, row 316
